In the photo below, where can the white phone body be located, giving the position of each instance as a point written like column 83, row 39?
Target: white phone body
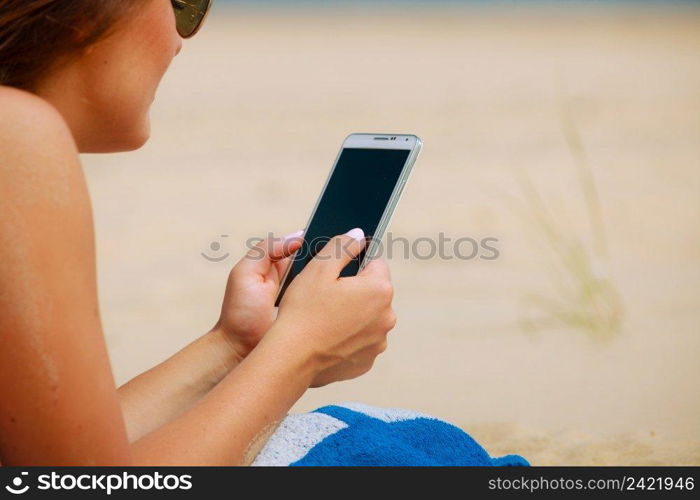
column 412, row 144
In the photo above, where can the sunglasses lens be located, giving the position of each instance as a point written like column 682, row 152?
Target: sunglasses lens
column 189, row 15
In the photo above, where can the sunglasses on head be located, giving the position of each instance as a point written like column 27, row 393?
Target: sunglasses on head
column 189, row 15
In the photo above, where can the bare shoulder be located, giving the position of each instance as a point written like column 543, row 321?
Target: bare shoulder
column 26, row 115
column 42, row 187
column 31, row 126
column 38, row 156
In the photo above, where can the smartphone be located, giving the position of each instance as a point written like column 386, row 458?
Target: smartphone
column 362, row 190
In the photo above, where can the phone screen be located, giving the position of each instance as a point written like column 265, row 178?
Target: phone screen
column 356, row 195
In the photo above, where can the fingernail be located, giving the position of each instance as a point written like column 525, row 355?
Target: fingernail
column 356, row 233
column 295, row 234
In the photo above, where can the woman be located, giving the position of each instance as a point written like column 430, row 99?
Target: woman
column 79, row 76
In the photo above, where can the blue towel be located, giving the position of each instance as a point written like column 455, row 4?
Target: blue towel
column 359, row 435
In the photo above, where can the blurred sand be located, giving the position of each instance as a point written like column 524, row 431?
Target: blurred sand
column 247, row 124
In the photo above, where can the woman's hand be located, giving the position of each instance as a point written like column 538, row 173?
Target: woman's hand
column 248, row 309
column 341, row 323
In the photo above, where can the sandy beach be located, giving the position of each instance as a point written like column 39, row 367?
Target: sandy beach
column 547, row 130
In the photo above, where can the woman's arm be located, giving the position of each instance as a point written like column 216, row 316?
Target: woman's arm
column 166, row 391
column 225, row 427
column 58, row 403
column 327, row 328
column 159, row 395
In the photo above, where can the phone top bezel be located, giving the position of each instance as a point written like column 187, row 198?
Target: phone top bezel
column 381, row 141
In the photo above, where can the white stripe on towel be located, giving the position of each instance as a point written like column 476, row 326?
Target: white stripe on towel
column 386, row 414
column 295, row 436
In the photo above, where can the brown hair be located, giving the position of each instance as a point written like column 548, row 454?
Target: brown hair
column 37, row 34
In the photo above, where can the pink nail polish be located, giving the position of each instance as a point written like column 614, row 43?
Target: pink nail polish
column 356, row 233
column 296, row 234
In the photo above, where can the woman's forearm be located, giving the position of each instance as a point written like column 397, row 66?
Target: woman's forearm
column 225, row 425
column 166, row 391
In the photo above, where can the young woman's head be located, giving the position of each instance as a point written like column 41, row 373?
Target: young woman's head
column 99, row 62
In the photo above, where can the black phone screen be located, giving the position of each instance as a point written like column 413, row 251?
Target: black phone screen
column 356, row 195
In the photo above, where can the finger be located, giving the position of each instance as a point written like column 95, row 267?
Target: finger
column 369, row 353
column 278, row 269
column 338, row 252
column 260, row 258
column 359, row 366
column 282, row 248
column 376, row 267
column 281, row 255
